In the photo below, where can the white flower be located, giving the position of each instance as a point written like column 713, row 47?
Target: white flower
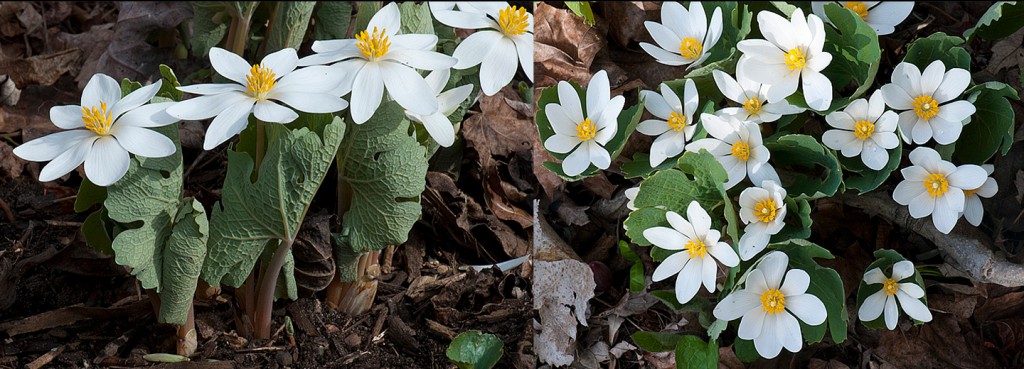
column 503, row 40
column 763, row 210
column 883, row 16
column 631, row 196
column 255, row 90
column 973, row 211
column 752, row 96
column 737, row 146
column 379, row 58
column 907, row 292
column 792, row 53
column 702, row 248
column 935, row 187
column 865, row 128
column 113, row 127
column 769, row 306
column 437, row 124
column 583, row 133
column 683, row 37
column 676, row 124
column 928, row 101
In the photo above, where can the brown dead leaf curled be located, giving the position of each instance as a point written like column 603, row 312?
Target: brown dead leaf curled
column 562, row 288
column 9, row 92
column 41, row 69
column 564, row 47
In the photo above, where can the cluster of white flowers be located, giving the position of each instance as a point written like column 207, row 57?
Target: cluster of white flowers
column 379, row 59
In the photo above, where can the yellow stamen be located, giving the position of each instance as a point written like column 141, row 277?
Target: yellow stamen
column 863, row 130
column 765, row 210
column 926, row 107
column 773, row 301
column 513, row 20
column 795, row 59
column 890, row 286
column 373, row 45
column 98, row 119
column 259, row 81
column 696, row 248
column 676, row 121
column 586, row 130
column 690, row 48
column 753, row 105
column 936, row 185
column 857, row 7
column 741, row 150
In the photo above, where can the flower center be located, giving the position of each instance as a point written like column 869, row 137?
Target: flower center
column 858, row 7
column 586, row 130
column 926, row 107
column 765, row 210
column 795, row 59
column 690, row 48
column 936, row 185
column 373, row 45
column 696, row 248
column 513, row 20
column 753, row 105
column 741, row 150
column 863, row 130
column 98, row 119
column 259, row 81
column 890, row 286
column 676, row 121
column 773, row 301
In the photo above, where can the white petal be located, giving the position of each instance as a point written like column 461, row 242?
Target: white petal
column 688, row 281
column 498, row 66
column 653, row 127
column 66, row 161
column 922, row 205
column 736, row 304
column 945, row 132
column 709, row 272
column 577, row 162
column 367, row 93
column 229, row 65
column 777, row 30
column 450, row 100
column 67, row 116
column 204, row 107
column 837, row 139
column 922, row 132
column 315, row 79
column 902, row 270
column 956, row 111
column 107, row 162
column 560, row 143
column 561, row 121
column 671, row 266
column 227, row 124
column 767, row 343
column 872, row 306
column 953, row 84
column 471, row 51
column 817, row 90
column 211, row 88
column 788, row 332
column 663, row 56
column 973, row 210
column 662, row 35
column 752, row 242
column 682, row 226
column 524, row 48
column 724, row 254
column 422, row 59
column 569, row 99
column 912, row 289
column 908, row 77
column 786, row 87
column 461, row 19
column 931, row 78
column 874, row 156
column 947, row 210
column 281, row 62
column 101, row 88
column 51, row 146
column 414, row 42
column 599, row 156
column 729, row 87
column 796, row 282
column 387, row 18
column 751, row 324
column 773, row 266
column 892, row 314
column 890, row 13
column 311, row 102
column 143, row 141
column 268, row 111
column 598, row 94
column 914, row 307
column 135, row 99
column 896, row 97
column 807, row 307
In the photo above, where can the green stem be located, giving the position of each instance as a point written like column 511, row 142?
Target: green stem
column 268, row 283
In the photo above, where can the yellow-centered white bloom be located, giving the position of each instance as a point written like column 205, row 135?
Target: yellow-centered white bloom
column 102, row 131
column 700, row 251
column 752, row 97
column 437, row 124
column 257, row 89
column 932, row 186
column 675, row 125
column 683, row 37
column 899, row 287
column 790, row 55
column 883, row 16
column 770, row 305
column 928, row 99
column 973, row 210
column 738, row 147
column 380, row 59
column 865, row 128
column 503, row 40
column 763, row 210
column 583, row 133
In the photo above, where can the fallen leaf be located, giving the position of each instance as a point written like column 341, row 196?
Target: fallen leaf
column 624, row 16
column 41, row 69
column 564, row 46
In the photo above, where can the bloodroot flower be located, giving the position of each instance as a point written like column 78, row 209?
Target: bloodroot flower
column 899, row 287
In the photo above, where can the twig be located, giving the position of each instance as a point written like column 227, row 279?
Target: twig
column 261, row 349
column 62, row 223
column 46, row 358
column 194, row 163
column 965, row 248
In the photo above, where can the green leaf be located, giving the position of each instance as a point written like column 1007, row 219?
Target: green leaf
column 332, row 20
column 798, row 220
column 785, row 8
column 863, row 179
column 938, row 46
column 745, row 350
column 182, row 262
column 825, row 284
column 475, row 350
column 1002, row 19
column 693, row 353
column 668, row 297
column 384, row 168
column 289, row 28
column 209, row 26
column 627, row 122
column 640, row 166
column 250, row 214
column 855, row 55
column 416, row 18
column 626, row 252
column 992, row 125
column 169, row 88
column 89, row 194
column 127, row 86
column 364, row 12
column 96, row 231
column 637, row 281
column 582, row 9
column 656, row 341
column 885, row 259
column 794, row 156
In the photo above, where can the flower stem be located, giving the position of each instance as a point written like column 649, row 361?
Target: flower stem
column 261, row 143
column 268, row 283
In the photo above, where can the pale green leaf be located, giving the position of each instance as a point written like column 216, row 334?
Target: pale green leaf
column 289, row 28
column 582, row 9
column 991, row 127
column 1000, row 20
column 693, row 353
column 416, row 18
column 475, row 350
column 182, row 262
column 332, row 20
column 794, row 156
column 938, row 46
column 209, row 26
column 656, row 341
